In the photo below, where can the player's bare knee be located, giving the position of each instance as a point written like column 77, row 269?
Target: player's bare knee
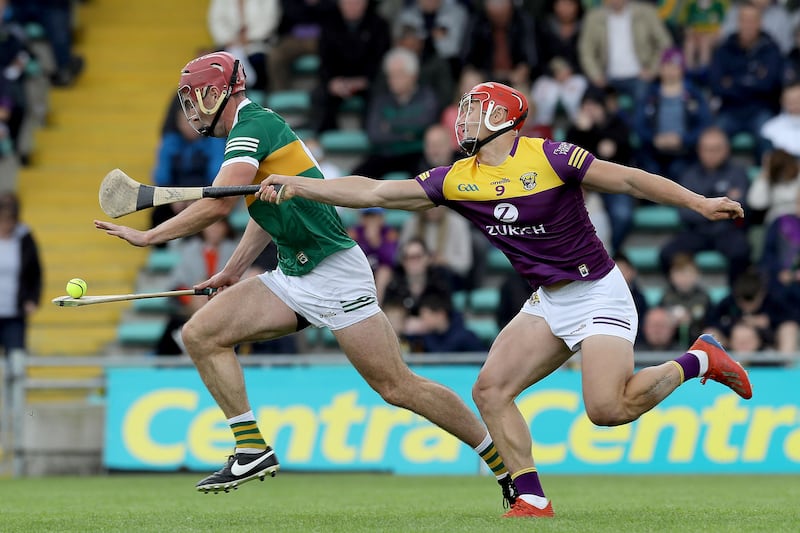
column 194, row 339
column 486, row 394
column 607, row 415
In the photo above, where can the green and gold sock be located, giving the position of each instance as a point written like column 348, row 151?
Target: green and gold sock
column 491, row 457
column 247, row 435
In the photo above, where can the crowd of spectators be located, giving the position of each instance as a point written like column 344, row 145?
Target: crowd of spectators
column 706, row 94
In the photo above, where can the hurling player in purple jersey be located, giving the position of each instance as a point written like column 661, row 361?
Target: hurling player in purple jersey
column 525, row 195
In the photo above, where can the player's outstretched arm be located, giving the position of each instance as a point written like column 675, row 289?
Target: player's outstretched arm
column 610, row 177
column 350, row 191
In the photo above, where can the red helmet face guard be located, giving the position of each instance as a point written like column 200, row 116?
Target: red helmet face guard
column 220, row 71
column 475, row 111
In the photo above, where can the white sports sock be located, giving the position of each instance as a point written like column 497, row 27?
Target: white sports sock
column 540, row 502
column 244, row 417
column 480, row 448
column 703, row 358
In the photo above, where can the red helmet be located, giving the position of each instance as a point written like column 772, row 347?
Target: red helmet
column 211, row 70
column 490, row 95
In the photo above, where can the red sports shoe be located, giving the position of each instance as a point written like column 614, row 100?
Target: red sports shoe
column 522, row 509
column 721, row 368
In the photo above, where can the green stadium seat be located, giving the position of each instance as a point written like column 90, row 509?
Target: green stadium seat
column 743, row 143
column 327, row 338
column 653, row 295
column 146, row 332
column 306, row 65
column 258, row 97
column 397, row 217
column 460, row 300
column 625, row 102
column 484, row 300
column 152, row 305
column 345, row 141
column 753, row 171
column 289, row 101
column 498, row 262
column 644, row 258
column 162, row 260
column 396, row 176
column 239, row 219
column 718, row 293
column 485, row 328
column 656, row 218
column 305, row 133
column 710, row 260
column 354, row 104
column 349, row 216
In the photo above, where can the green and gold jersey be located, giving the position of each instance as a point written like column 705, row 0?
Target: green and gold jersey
column 306, row 232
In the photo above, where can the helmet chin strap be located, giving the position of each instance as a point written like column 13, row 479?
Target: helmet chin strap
column 472, row 146
column 208, row 131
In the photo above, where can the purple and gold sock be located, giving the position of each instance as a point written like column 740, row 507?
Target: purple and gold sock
column 689, row 366
column 527, row 482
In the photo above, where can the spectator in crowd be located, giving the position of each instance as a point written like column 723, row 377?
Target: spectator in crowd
column 559, row 31
column 701, row 21
column 715, row 174
column 443, row 22
column 440, row 329
column 631, row 275
column 185, row 159
column 436, row 149
column 8, row 161
column 246, row 29
column 775, row 21
column 791, row 67
column 774, row 191
column 448, row 239
column 745, row 338
column 559, row 86
column 467, row 80
column 780, row 259
column 329, row 168
column 379, row 242
column 298, row 35
column 20, row 275
column 200, row 258
column 746, row 75
column 606, row 135
column 352, row 43
column 14, row 58
column 502, row 44
column 670, row 119
column 397, row 118
column 686, row 298
column 415, row 276
column 55, row 16
column 659, row 331
column 783, row 130
column 621, row 44
column 433, row 69
column 751, row 303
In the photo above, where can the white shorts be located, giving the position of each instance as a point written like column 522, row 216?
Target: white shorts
column 585, row 308
column 337, row 293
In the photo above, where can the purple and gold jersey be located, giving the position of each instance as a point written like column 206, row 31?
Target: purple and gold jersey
column 530, row 207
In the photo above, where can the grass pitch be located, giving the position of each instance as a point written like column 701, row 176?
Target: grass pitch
column 294, row 502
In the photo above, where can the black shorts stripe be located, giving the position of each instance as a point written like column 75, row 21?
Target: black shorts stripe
column 621, row 321
column 608, row 322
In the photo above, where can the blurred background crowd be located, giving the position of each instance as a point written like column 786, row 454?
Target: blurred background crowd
column 704, row 92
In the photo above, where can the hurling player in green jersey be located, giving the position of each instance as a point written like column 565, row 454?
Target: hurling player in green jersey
column 323, row 279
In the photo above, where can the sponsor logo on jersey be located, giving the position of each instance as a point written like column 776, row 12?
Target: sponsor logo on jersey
column 468, row 187
column 500, row 182
column 562, row 148
column 583, row 269
column 528, row 180
column 358, row 303
column 514, row 231
column 242, row 144
column 301, row 257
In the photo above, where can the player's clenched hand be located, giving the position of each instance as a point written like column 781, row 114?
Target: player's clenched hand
column 721, row 208
column 133, row 236
column 276, row 188
column 218, row 281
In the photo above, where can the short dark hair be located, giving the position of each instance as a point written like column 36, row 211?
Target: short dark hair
column 9, row 202
column 436, row 301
